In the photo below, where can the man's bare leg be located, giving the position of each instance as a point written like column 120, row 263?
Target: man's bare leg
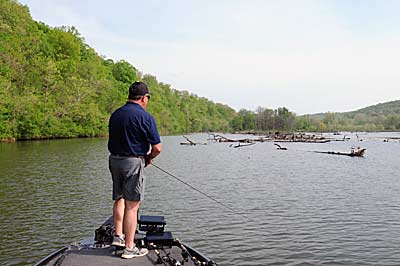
column 118, row 215
column 130, row 222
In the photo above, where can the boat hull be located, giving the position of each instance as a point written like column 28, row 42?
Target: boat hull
column 163, row 250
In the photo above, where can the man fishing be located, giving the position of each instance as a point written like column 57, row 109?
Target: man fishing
column 133, row 143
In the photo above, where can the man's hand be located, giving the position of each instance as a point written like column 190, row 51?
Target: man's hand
column 148, row 160
column 155, row 151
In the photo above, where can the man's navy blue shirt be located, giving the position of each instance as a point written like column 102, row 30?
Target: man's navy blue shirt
column 131, row 131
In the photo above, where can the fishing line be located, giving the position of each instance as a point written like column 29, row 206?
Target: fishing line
column 192, row 187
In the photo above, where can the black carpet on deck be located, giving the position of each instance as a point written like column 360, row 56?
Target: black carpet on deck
column 106, row 256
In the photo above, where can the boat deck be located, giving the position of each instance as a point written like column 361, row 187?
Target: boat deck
column 106, row 256
column 163, row 248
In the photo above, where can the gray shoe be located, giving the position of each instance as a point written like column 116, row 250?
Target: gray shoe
column 134, row 252
column 119, row 241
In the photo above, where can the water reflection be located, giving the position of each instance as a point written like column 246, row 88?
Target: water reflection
column 304, row 208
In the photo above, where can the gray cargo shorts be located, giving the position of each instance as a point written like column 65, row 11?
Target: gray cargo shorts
column 128, row 178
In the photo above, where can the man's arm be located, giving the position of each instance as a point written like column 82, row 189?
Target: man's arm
column 155, row 151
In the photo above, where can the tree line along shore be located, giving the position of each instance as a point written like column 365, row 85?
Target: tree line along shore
column 54, row 85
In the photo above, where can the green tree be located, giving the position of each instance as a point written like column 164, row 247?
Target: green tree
column 124, row 72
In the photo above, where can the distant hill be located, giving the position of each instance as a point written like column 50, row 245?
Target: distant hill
column 388, row 108
column 378, row 117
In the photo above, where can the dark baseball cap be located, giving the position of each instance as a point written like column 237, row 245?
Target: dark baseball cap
column 138, row 89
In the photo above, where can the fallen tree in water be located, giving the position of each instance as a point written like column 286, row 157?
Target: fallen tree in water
column 191, row 143
column 358, row 152
column 239, row 145
column 220, row 138
column 280, row 147
column 275, row 137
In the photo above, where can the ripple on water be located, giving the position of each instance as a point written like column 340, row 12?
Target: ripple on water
column 297, row 207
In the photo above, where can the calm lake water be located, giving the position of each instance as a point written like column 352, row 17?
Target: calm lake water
column 297, row 207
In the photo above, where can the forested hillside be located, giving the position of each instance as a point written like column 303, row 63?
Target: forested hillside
column 379, row 117
column 383, row 116
column 388, row 108
column 52, row 84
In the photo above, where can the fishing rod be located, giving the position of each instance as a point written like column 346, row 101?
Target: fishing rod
column 192, row 187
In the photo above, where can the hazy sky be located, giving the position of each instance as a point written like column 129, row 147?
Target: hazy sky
column 309, row 56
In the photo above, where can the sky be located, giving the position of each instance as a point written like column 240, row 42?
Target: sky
column 309, row 56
